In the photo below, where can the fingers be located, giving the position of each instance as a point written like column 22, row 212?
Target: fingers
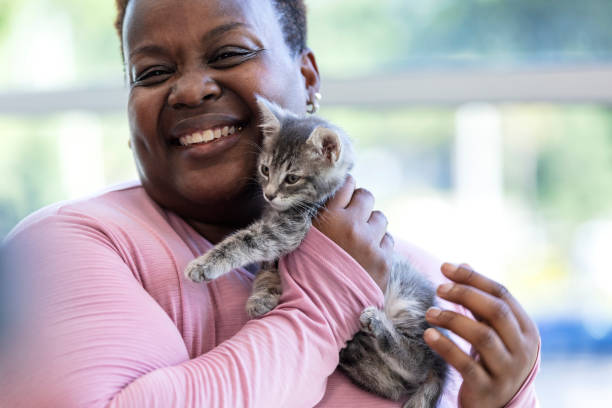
column 387, row 243
column 466, row 275
column 493, row 310
column 469, row 369
column 344, row 194
column 484, row 339
column 362, row 203
column 378, row 222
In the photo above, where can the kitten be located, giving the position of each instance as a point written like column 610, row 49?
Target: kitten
column 303, row 161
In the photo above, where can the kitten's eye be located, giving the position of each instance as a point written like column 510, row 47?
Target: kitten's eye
column 265, row 170
column 291, row 179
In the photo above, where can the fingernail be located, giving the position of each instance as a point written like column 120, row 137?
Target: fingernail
column 433, row 312
column 449, row 267
column 432, row 334
column 445, row 288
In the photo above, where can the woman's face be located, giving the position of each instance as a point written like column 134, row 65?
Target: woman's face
column 195, row 67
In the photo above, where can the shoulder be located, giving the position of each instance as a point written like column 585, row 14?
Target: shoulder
column 122, row 219
column 116, row 228
column 119, row 205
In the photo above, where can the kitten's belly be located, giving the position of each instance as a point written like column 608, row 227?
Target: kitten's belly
column 341, row 392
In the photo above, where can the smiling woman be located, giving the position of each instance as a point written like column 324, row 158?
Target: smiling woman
column 187, row 81
column 117, row 323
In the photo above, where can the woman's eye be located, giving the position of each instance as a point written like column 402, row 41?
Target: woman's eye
column 226, row 55
column 231, row 57
column 291, row 179
column 265, row 170
column 152, row 76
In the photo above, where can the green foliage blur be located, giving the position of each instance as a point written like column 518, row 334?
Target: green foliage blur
column 568, row 148
column 398, row 34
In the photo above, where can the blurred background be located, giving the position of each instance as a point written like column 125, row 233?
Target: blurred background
column 483, row 127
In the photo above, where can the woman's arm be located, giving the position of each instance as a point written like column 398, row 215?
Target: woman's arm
column 97, row 337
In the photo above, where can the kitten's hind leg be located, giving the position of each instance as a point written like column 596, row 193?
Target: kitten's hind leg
column 376, row 323
column 418, row 372
column 398, row 355
column 266, row 291
column 365, row 366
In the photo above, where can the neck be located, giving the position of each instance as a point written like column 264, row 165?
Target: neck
column 213, row 233
column 217, row 228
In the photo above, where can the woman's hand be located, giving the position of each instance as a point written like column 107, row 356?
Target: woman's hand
column 504, row 336
column 349, row 221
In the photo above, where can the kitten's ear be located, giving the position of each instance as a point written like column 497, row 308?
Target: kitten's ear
column 326, row 142
column 270, row 123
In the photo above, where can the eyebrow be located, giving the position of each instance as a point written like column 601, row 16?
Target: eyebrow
column 222, row 29
column 148, row 49
column 215, row 32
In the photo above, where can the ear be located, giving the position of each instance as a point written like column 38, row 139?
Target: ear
column 326, row 142
column 270, row 123
column 310, row 73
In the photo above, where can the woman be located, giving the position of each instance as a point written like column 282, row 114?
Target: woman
column 117, row 324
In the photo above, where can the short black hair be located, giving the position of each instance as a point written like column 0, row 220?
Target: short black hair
column 291, row 16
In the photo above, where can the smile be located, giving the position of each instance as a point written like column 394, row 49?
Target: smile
column 209, row 135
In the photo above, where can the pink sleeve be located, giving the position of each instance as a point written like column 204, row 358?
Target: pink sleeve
column 526, row 396
column 98, row 339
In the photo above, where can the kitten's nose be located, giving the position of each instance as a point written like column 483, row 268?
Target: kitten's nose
column 270, row 196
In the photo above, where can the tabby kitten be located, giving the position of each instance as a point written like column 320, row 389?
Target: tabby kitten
column 303, row 161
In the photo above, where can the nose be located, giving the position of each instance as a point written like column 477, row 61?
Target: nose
column 192, row 88
column 270, row 196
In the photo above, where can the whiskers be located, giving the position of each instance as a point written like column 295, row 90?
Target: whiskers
column 257, row 149
column 306, row 207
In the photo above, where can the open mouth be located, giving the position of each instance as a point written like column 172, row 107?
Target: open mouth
column 208, row 135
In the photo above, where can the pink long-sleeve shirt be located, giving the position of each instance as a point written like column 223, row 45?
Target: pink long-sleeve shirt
column 113, row 322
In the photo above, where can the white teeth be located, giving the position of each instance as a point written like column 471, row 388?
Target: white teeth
column 208, row 135
column 198, row 137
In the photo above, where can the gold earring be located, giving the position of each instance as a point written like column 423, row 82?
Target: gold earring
column 130, row 143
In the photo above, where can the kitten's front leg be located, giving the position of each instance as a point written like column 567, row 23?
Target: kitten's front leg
column 257, row 243
column 266, row 291
column 210, row 265
column 231, row 253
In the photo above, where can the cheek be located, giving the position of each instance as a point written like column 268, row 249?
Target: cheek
column 281, row 83
column 144, row 106
column 291, row 93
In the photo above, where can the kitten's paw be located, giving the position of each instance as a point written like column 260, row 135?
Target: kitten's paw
column 369, row 319
column 200, row 269
column 258, row 305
